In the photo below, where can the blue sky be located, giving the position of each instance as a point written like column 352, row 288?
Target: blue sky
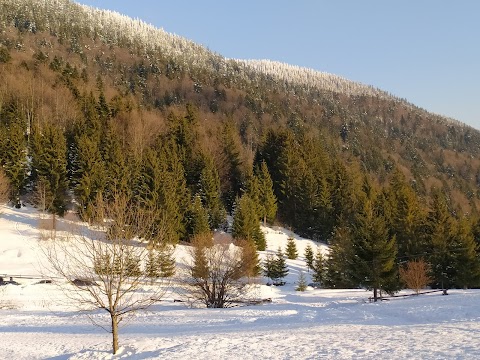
column 425, row 51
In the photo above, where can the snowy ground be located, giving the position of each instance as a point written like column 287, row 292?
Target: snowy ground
column 331, row 324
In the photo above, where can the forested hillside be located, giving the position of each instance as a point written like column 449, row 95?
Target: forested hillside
column 93, row 104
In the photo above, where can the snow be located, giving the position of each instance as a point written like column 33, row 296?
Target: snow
column 37, row 323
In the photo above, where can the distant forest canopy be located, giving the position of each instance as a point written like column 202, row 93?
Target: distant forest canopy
column 93, row 103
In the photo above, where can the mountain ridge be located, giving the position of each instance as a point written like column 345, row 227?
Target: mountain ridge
column 62, row 48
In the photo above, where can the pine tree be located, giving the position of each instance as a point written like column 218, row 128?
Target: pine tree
column 467, row 263
column 117, row 173
column 375, row 252
column 269, row 268
column 166, row 261
column 302, row 282
column 291, row 250
column 408, row 217
column 246, row 225
column 209, row 189
column 267, row 197
column 198, row 218
column 339, row 268
column 49, row 168
column 89, row 175
column 440, row 237
column 281, row 269
column 309, row 257
column 14, row 156
column 151, row 265
column 250, row 260
column 318, row 268
column 233, row 175
column 132, row 265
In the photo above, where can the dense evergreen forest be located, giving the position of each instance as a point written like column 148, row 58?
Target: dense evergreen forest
column 93, row 104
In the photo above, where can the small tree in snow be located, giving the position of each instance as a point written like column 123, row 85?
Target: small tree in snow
column 291, row 250
column 275, row 268
column 309, row 257
column 318, row 268
column 415, row 275
column 302, row 282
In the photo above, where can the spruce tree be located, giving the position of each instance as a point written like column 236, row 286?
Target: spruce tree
column 209, row 190
column 151, row 265
column 269, row 267
column 267, row 197
column 291, row 250
column 375, row 252
column 89, row 174
column 132, row 265
column 302, row 282
column 198, row 218
column 14, row 157
column 49, row 168
column 441, row 239
column 309, row 257
column 339, row 272
column 281, row 268
column 233, row 175
column 246, row 225
column 318, row 268
column 117, row 173
column 166, row 261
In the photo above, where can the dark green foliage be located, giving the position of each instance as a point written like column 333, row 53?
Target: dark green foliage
column 281, row 269
column 160, row 263
column 340, row 259
column 183, row 133
column 209, row 190
column 309, row 257
column 198, row 218
column 318, row 268
column 291, row 250
column 407, row 218
column 49, row 169
column 246, row 225
column 233, row 176
column 161, row 187
column 374, row 261
column 440, row 235
column 117, row 172
column 89, row 176
column 14, row 148
column 275, row 267
column 166, row 261
column 267, row 198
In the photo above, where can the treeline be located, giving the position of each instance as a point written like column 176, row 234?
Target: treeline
column 190, row 189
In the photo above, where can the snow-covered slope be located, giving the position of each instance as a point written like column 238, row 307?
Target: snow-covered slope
column 331, row 324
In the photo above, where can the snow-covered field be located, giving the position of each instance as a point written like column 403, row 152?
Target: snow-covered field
column 316, row 324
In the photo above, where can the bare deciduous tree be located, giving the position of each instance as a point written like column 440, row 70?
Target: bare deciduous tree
column 222, row 273
column 104, row 266
column 415, row 275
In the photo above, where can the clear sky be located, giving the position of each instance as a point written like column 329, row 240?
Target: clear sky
column 426, row 51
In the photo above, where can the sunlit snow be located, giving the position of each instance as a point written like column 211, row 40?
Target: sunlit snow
column 316, row 324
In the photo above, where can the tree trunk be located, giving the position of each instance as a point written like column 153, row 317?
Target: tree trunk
column 375, row 294
column 114, row 333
